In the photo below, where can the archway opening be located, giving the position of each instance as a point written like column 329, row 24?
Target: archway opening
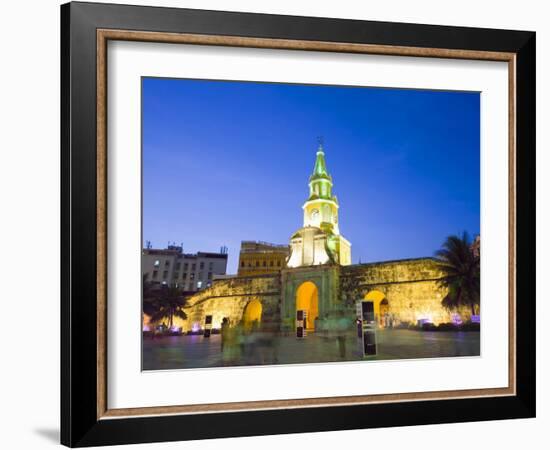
column 384, row 313
column 307, row 299
column 252, row 315
column 381, row 306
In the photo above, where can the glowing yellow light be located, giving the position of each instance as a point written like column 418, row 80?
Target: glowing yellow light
column 377, row 298
column 252, row 313
column 307, row 299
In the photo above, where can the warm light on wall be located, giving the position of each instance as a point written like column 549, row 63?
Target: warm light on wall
column 376, row 297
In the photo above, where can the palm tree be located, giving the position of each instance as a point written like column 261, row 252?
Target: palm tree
column 167, row 304
column 461, row 273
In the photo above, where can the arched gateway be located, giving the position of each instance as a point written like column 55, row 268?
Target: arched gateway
column 381, row 305
column 252, row 313
column 307, row 299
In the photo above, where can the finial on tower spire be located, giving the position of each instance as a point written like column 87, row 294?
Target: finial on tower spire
column 320, row 141
column 320, row 168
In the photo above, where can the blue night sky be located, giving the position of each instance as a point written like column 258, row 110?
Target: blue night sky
column 230, row 161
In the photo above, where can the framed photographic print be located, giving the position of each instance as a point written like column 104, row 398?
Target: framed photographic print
column 277, row 224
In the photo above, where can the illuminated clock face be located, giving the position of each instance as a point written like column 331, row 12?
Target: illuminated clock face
column 315, row 214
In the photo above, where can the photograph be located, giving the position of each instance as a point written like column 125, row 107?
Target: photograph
column 279, row 222
column 299, row 223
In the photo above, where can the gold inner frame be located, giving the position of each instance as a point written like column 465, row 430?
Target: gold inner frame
column 104, row 35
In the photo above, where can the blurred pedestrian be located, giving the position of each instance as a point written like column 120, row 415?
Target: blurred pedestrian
column 342, row 327
column 224, row 331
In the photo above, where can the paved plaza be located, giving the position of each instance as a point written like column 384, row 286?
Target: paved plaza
column 184, row 352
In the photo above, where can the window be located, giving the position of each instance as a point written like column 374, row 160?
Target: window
column 271, row 263
column 200, row 275
column 157, row 263
column 191, row 286
column 201, row 266
column 265, row 263
column 210, row 266
column 155, row 274
column 209, row 275
column 166, row 263
column 192, row 276
column 165, row 275
column 193, row 267
column 186, row 266
column 257, row 263
column 242, row 264
column 178, row 266
column 184, row 275
column 145, row 277
column 176, row 275
column 278, row 263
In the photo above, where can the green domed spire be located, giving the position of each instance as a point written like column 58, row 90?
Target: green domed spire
column 320, row 182
column 320, row 168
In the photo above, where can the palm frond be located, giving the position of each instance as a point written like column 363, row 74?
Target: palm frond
column 461, row 272
column 180, row 313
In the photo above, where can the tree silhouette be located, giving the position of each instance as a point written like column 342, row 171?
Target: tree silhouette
column 461, row 273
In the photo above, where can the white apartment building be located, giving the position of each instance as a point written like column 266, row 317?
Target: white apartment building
column 190, row 272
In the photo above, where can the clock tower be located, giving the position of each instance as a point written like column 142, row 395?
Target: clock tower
column 319, row 240
column 321, row 207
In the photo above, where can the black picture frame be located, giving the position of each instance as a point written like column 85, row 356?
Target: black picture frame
column 80, row 425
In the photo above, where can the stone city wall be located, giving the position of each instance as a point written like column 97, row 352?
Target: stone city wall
column 410, row 287
column 407, row 290
column 229, row 298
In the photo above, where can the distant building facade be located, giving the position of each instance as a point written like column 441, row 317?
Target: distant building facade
column 189, row 272
column 260, row 258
